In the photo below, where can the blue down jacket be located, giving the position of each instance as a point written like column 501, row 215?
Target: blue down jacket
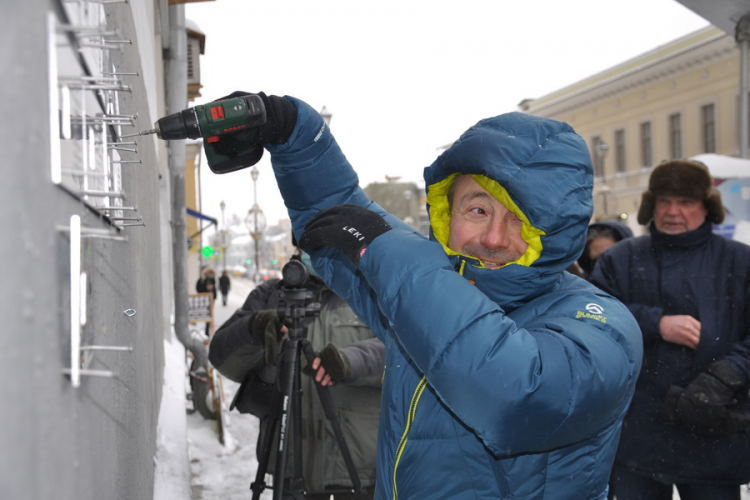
column 498, row 384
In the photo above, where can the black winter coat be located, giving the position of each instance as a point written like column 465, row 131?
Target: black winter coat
column 224, row 284
column 705, row 276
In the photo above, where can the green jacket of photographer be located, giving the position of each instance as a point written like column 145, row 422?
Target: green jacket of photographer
column 249, row 341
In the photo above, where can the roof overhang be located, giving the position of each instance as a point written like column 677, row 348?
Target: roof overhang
column 724, row 14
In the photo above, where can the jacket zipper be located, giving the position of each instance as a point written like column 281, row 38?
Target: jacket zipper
column 410, row 418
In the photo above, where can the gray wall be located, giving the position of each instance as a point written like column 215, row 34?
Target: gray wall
column 96, row 441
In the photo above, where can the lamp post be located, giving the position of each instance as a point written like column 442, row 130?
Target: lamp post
column 600, row 152
column 255, row 221
column 326, row 115
column 223, row 235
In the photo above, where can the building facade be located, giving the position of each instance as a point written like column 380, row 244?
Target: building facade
column 86, row 209
column 676, row 101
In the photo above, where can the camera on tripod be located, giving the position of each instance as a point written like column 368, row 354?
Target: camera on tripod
column 296, row 309
column 295, row 300
column 260, row 392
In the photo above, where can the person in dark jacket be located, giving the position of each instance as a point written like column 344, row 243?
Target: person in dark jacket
column 207, row 281
column 601, row 235
column 224, row 286
column 505, row 377
column 207, row 284
column 350, row 360
column 689, row 289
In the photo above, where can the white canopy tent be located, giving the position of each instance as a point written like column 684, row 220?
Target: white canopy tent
column 724, row 167
column 733, row 181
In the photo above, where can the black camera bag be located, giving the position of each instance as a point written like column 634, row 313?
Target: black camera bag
column 256, row 396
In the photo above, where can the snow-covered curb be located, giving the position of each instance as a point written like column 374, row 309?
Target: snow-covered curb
column 172, row 460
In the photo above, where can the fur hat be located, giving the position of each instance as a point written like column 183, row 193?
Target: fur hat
column 689, row 179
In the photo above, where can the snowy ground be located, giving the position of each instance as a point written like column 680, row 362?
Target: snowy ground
column 191, row 463
column 220, row 472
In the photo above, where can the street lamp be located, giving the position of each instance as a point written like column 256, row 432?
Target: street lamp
column 326, row 115
column 223, row 235
column 600, row 152
column 255, row 221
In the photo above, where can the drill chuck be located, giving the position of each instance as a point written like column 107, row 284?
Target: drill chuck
column 178, row 126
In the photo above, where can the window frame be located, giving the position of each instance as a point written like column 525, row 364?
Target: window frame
column 646, row 143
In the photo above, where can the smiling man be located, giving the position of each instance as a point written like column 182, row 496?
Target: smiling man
column 505, row 377
column 483, row 227
column 690, row 291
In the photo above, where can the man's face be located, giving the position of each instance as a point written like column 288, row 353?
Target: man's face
column 676, row 214
column 482, row 227
column 599, row 245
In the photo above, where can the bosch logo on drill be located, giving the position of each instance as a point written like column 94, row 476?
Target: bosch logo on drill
column 354, row 233
column 232, row 129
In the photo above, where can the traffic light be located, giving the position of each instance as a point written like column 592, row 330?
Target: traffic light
column 249, row 261
column 275, row 261
column 207, row 251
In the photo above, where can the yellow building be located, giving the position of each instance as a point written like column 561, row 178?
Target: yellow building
column 676, row 101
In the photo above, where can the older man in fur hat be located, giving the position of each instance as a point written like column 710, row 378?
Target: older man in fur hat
column 689, row 289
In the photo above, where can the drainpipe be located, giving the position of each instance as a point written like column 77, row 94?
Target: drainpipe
column 176, row 86
column 742, row 36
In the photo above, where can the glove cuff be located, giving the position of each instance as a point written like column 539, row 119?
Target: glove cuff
column 281, row 117
column 726, row 374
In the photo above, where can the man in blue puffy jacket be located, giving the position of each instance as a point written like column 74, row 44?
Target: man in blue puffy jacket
column 505, row 377
column 689, row 289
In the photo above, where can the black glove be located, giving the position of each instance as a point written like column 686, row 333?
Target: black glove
column 281, row 116
column 349, row 228
column 706, row 403
column 265, row 328
column 335, row 362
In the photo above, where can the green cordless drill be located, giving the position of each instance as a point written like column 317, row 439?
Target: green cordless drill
column 216, row 123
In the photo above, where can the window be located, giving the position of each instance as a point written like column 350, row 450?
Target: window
column 708, row 128
column 620, row 151
column 675, row 136
column 646, row 144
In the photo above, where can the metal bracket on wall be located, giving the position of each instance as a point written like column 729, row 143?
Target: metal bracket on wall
column 78, row 281
column 85, row 116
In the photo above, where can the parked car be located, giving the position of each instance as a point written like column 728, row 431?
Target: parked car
column 239, row 271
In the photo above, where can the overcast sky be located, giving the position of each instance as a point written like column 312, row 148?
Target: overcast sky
column 403, row 78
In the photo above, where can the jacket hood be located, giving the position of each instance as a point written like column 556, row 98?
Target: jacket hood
column 540, row 169
column 620, row 230
column 617, row 230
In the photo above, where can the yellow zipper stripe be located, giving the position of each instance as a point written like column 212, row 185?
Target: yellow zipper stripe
column 410, row 418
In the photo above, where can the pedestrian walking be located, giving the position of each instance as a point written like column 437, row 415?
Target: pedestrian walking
column 224, row 285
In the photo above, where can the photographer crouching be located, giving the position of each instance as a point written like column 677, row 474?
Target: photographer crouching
column 349, row 359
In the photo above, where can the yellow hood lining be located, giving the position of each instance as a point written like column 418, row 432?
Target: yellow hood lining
column 440, row 217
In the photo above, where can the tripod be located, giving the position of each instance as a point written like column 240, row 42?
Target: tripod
column 286, row 410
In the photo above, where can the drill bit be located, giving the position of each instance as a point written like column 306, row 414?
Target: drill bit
column 145, row 132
